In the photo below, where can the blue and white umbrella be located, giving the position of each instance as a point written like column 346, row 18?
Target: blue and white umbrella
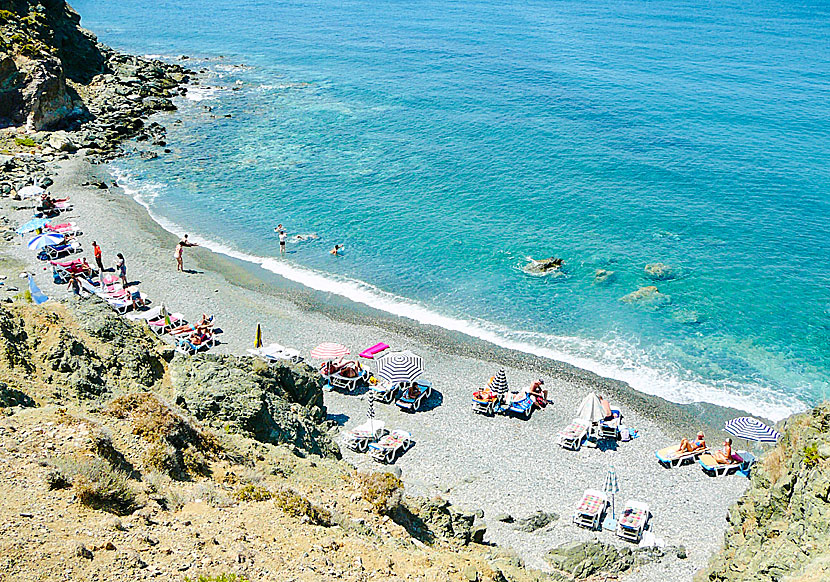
column 34, row 224
column 400, row 367
column 45, row 240
column 752, row 429
column 612, row 487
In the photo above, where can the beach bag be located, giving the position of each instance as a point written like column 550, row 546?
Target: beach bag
column 625, row 434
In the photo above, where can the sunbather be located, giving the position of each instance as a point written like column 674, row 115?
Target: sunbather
column 74, row 285
column 606, row 408
column 198, row 338
column 539, row 394
column 724, row 456
column 413, row 390
column 687, row 446
column 85, row 268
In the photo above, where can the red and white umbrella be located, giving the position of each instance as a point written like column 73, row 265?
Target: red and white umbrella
column 329, row 351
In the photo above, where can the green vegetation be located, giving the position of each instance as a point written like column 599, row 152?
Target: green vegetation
column 383, row 491
column 6, row 16
column 811, row 456
column 295, row 505
column 251, row 492
column 25, row 142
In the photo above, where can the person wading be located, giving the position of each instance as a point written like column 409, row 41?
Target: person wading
column 179, row 249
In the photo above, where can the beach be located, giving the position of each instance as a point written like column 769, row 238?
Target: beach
column 500, row 465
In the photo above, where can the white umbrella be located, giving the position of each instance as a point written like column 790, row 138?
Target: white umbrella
column 400, row 367
column 30, row 191
column 591, row 409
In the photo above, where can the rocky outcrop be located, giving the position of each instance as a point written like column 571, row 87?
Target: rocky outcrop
column 282, row 404
column 583, row 559
column 543, row 266
column 11, row 397
column 660, row 271
column 780, row 529
column 437, row 518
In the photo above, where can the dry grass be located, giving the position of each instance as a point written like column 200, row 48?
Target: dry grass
column 383, row 491
column 774, row 464
column 95, row 483
column 251, row 492
column 293, row 504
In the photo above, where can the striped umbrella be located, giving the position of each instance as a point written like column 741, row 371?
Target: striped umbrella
column 44, row 240
column 612, row 487
column 752, row 429
column 258, row 337
column 329, row 351
column 400, row 367
column 499, row 384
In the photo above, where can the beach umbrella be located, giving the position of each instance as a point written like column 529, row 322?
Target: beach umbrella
column 400, row 367
column 34, row 224
column 329, row 351
column 371, row 412
column 258, row 337
column 499, row 384
column 591, row 409
column 30, row 191
column 752, row 429
column 37, row 295
column 612, row 487
column 45, row 240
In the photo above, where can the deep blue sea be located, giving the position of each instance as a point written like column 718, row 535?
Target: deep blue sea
column 444, row 143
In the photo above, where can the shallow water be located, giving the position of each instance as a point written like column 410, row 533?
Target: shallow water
column 444, row 143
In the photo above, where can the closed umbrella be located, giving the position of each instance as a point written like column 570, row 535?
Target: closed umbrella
column 499, row 384
column 400, row 367
column 258, row 337
column 371, row 412
column 45, row 240
column 612, row 487
column 752, row 429
column 30, row 191
column 329, row 351
column 34, row 224
column 591, row 409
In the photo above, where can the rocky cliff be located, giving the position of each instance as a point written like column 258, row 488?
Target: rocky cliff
column 55, row 75
column 780, row 529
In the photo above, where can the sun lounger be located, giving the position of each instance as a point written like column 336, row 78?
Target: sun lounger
column 349, row 376
column 371, row 353
column 188, row 346
column 63, row 270
column 359, row 438
column 571, row 437
column 122, row 301
column 391, row 446
column 162, row 324
column 54, row 252
column 67, row 228
column 669, row 457
column 742, row 462
column 610, row 429
column 146, row 315
column 411, row 402
column 273, row 353
column 484, row 402
column 384, row 391
column 633, row 521
column 589, row 511
column 521, row 404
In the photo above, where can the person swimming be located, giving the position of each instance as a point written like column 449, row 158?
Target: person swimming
column 336, row 250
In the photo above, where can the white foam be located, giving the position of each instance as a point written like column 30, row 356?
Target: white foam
column 614, row 359
column 198, row 93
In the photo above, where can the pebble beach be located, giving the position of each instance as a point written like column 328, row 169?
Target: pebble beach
column 503, row 465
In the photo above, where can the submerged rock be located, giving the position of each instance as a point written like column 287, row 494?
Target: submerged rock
column 660, row 271
column 604, row 276
column 647, row 296
column 543, row 266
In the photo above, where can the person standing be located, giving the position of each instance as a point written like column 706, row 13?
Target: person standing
column 283, row 236
column 96, row 251
column 121, row 269
column 179, row 249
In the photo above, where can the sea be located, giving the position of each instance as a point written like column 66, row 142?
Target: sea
column 447, row 143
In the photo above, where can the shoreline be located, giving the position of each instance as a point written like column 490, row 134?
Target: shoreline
column 473, row 461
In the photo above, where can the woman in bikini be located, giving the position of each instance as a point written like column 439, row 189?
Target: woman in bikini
column 724, row 456
column 689, row 447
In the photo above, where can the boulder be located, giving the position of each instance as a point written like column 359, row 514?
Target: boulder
column 584, row 559
column 647, row 296
column 536, row 521
column 440, row 519
column 543, row 266
column 61, row 142
column 282, row 404
column 660, row 271
column 11, row 397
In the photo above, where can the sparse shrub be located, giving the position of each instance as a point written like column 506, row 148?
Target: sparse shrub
column 162, row 489
column 251, row 492
column 96, row 484
column 161, row 458
column 57, row 479
column 194, row 461
column 295, row 505
column 25, row 142
column 383, row 491
column 210, row 495
column 811, row 456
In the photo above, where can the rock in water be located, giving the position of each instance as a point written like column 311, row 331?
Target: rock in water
column 603, row 276
column 543, row 266
column 660, row 271
column 647, row 297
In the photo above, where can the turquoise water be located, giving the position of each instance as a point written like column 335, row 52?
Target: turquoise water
column 446, row 142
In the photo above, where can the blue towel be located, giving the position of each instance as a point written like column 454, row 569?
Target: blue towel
column 37, row 295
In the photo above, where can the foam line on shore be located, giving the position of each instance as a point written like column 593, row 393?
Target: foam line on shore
column 568, row 349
